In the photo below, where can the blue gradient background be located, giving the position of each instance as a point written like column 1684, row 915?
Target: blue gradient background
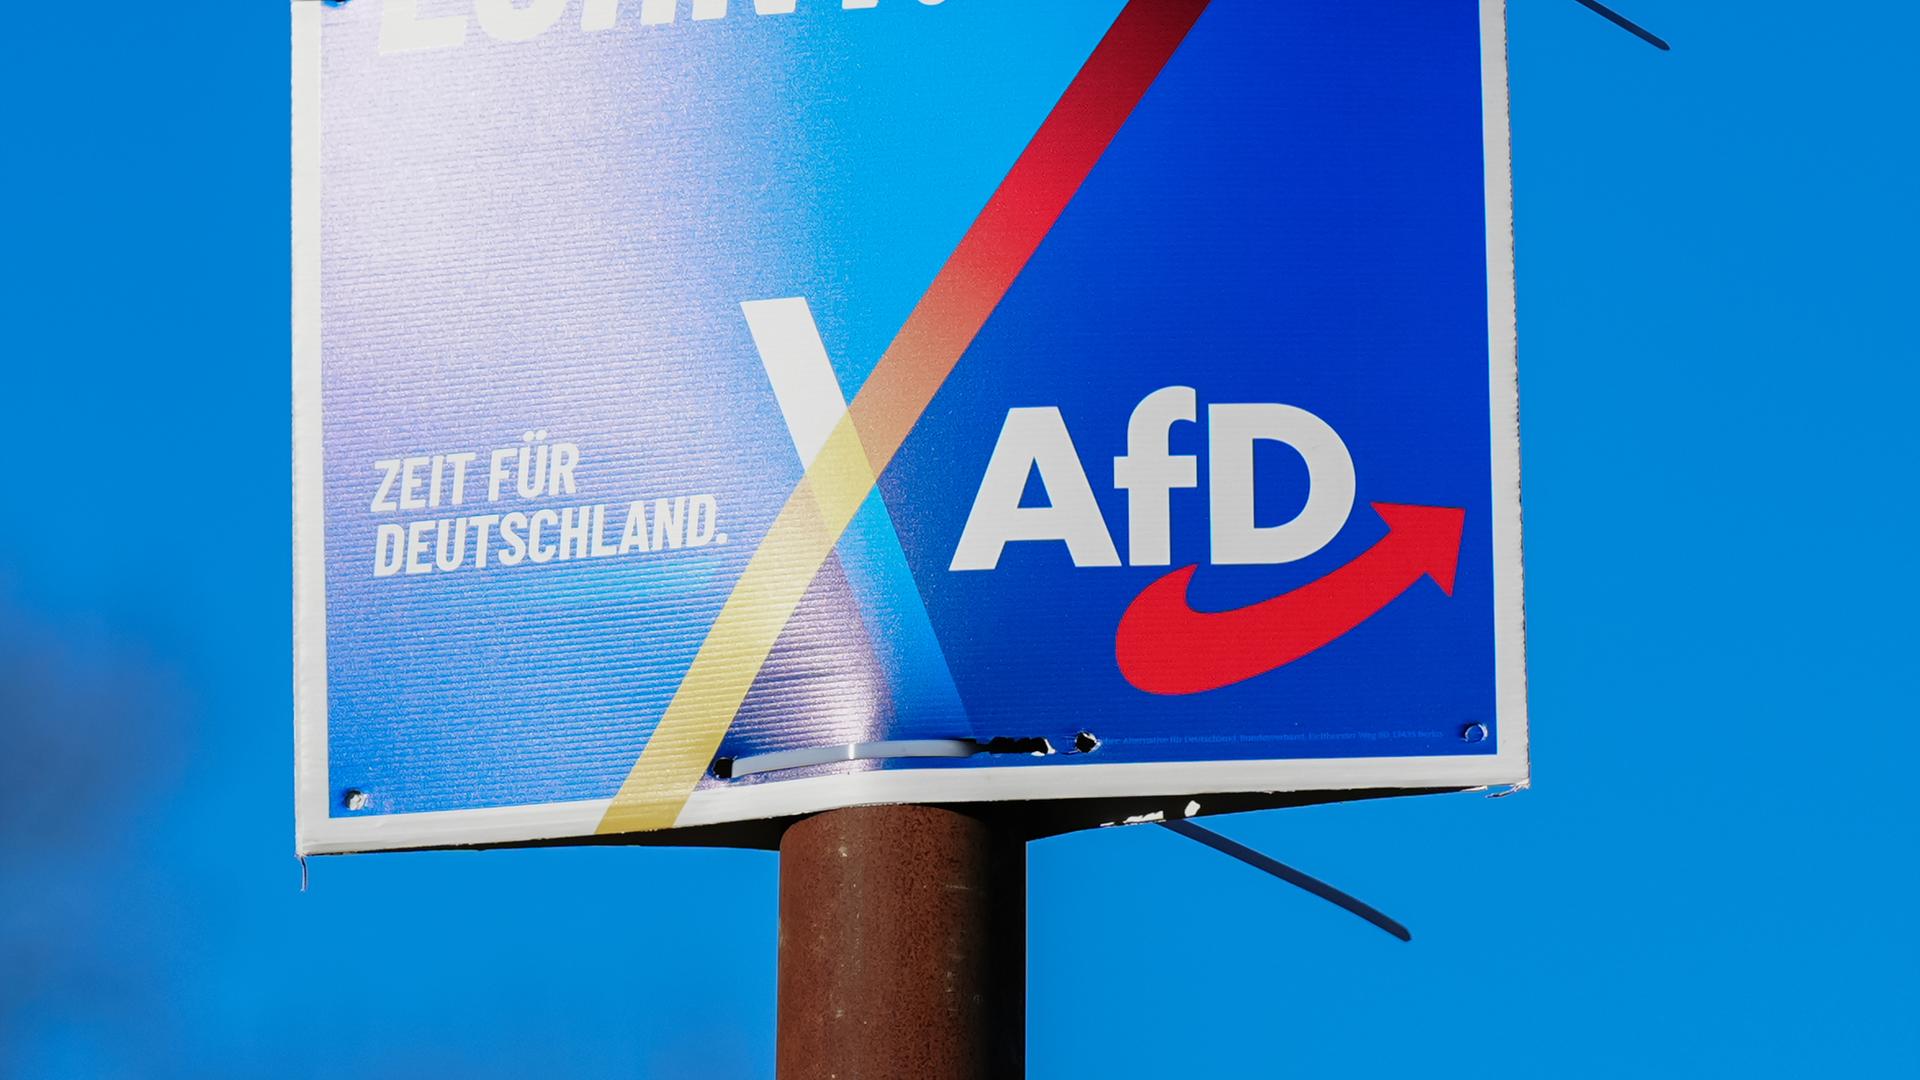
column 1279, row 220
column 637, row 185
column 1717, row 351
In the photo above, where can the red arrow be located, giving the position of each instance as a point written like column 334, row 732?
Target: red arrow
column 1166, row 647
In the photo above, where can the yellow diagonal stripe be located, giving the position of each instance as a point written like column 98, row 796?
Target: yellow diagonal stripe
column 898, row 390
column 769, row 590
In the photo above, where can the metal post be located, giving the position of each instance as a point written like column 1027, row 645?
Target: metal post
column 903, row 946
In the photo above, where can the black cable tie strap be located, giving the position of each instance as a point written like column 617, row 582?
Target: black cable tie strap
column 1625, row 23
column 1289, row 875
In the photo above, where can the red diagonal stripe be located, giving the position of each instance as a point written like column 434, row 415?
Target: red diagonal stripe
column 1016, row 219
column 942, row 325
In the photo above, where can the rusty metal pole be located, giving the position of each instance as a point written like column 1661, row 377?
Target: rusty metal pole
column 903, row 946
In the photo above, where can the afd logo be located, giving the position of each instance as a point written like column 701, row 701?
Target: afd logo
column 419, row 25
column 1163, row 645
column 1035, row 440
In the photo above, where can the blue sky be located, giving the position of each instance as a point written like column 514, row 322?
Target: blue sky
column 1717, row 363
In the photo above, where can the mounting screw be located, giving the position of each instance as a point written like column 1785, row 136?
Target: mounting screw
column 355, row 799
column 1474, row 733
